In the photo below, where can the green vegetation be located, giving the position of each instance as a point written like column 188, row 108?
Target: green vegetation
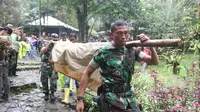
column 159, row 19
column 160, row 90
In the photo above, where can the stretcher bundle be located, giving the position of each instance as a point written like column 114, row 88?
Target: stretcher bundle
column 71, row 59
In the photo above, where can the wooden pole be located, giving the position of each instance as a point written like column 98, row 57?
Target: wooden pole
column 156, row 43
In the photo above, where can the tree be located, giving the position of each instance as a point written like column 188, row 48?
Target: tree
column 88, row 9
column 11, row 11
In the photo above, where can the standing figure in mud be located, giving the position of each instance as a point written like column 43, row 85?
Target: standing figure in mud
column 4, row 80
column 68, row 80
column 47, row 70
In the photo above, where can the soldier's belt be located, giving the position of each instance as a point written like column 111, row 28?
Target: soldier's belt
column 115, row 89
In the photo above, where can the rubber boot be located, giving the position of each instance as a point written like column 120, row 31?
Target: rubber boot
column 52, row 96
column 66, row 96
column 46, row 97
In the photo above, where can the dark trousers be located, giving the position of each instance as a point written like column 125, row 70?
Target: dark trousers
column 12, row 60
column 4, row 80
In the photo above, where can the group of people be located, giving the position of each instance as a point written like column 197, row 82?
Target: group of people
column 115, row 60
column 47, row 71
column 116, row 63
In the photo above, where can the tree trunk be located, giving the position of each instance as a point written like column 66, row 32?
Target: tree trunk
column 81, row 11
column 175, row 68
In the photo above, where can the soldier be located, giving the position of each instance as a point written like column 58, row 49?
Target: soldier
column 116, row 64
column 47, row 69
column 4, row 80
column 13, row 52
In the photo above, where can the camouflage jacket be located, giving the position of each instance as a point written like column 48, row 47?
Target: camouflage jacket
column 116, row 68
column 2, row 48
column 47, row 56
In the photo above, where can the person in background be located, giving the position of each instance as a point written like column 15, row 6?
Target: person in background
column 33, row 43
column 4, row 80
column 68, row 81
column 61, row 77
column 143, row 64
column 41, row 41
column 47, row 71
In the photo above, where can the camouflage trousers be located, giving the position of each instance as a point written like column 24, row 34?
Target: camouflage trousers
column 4, row 80
column 105, row 106
column 12, row 60
column 47, row 74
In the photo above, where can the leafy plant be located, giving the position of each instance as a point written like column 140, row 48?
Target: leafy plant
column 173, row 59
column 90, row 106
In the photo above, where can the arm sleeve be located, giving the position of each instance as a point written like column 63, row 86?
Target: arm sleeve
column 97, row 60
column 93, row 64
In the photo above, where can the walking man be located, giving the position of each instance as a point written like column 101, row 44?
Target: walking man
column 116, row 63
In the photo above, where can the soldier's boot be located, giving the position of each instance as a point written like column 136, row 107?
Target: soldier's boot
column 46, row 97
column 1, row 99
column 66, row 96
column 10, row 73
column 14, row 73
column 5, row 97
column 52, row 97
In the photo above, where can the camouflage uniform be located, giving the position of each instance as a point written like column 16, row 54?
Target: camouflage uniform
column 12, row 60
column 48, row 73
column 4, row 80
column 13, row 55
column 116, row 68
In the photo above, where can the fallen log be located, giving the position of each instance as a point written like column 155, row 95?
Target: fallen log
column 71, row 59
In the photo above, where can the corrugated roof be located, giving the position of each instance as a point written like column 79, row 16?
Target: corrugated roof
column 51, row 21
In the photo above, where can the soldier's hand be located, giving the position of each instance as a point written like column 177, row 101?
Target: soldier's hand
column 143, row 37
column 51, row 41
column 80, row 106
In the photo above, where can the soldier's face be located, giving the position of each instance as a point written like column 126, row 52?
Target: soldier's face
column 120, row 35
